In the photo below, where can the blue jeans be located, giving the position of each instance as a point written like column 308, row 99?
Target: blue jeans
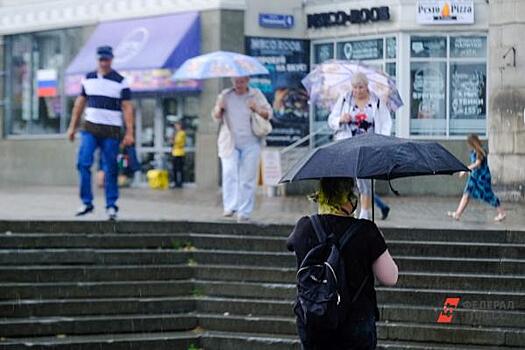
column 379, row 202
column 239, row 179
column 109, row 148
column 353, row 335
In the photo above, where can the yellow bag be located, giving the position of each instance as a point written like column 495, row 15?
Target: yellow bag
column 158, row 179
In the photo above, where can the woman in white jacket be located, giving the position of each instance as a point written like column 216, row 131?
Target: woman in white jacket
column 356, row 112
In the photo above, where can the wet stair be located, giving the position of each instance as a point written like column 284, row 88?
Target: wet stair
column 181, row 285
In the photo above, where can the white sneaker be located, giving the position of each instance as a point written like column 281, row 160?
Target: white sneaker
column 112, row 213
column 242, row 219
column 228, row 213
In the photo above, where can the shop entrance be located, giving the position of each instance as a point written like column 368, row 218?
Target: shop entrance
column 155, row 131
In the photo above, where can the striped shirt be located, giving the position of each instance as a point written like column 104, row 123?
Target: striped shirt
column 104, row 94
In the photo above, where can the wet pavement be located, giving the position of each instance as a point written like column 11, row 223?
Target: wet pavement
column 60, row 203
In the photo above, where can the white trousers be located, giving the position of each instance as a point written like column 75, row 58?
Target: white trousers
column 239, row 179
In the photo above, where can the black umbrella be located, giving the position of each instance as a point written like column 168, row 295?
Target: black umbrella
column 373, row 156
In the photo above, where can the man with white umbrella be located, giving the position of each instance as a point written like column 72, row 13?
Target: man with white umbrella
column 239, row 148
column 356, row 112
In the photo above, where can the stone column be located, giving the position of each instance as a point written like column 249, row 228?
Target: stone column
column 506, row 92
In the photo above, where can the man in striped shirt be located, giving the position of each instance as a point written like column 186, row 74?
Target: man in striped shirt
column 108, row 98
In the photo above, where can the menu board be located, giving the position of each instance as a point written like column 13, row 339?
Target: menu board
column 360, row 50
column 287, row 60
column 428, row 46
column 468, row 46
column 468, row 90
column 428, row 90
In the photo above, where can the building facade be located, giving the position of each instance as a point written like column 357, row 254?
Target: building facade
column 47, row 48
column 455, row 62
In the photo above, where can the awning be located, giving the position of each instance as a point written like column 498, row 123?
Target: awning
column 145, row 49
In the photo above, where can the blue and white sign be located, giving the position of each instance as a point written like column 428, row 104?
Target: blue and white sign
column 272, row 20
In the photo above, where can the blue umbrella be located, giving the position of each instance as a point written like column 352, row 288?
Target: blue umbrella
column 219, row 64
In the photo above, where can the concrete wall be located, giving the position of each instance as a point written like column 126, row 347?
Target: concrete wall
column 51, row 161
column 507, row 120
column 221, row 30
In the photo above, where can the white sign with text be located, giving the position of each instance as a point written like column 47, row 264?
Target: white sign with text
column 445, row 11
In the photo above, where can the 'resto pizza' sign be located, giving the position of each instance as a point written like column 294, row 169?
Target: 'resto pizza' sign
column 445, row 11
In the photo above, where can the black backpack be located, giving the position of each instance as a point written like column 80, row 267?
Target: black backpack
column 323, row 295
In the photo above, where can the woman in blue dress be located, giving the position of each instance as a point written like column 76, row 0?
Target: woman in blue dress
column 479, row 184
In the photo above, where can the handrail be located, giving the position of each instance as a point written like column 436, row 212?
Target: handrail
column 303, row 139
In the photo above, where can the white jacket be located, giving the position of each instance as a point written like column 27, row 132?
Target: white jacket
column 381, row 117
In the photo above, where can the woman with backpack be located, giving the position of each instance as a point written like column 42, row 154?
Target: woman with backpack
column 363, row 257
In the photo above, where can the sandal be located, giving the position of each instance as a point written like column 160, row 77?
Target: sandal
column 453, row 215
column 500, row 217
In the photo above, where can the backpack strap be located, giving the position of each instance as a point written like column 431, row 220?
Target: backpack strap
column 360, row 288
column 318, row 228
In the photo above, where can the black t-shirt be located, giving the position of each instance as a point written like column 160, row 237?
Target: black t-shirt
column 359, row 254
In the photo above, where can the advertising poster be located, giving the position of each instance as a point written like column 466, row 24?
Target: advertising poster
column 288, row 63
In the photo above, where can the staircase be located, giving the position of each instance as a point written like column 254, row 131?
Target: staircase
column 180, row 285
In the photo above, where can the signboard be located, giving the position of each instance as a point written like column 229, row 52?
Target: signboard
column 271, row 167
column 342, row 18
column 287, row 60
column 445, row 11
column 360, row 50
column 273, row 20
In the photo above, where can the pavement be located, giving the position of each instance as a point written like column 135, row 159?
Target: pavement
column 60, row 203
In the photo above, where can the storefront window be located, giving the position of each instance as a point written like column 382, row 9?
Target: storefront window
column 323, row 52
column 378, row 53
column 448, row 85
column 34, row 81
column 428, row 98
column 391, row 48
column 423, row 47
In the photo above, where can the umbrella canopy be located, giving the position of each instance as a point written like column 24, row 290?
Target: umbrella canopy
column 373, row 156
column 332, row 78
column 219, row 64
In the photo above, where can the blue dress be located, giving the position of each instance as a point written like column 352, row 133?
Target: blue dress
column 479, row 183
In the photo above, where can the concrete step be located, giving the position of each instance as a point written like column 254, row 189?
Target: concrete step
column 206, row 340
column 453, row 334
column 105, row 289
column 173, row 227
column 244, row 243
column 119, row 341
column 385, row 330
column 396, row 295
column 93, row 273
column 96, row 324
column 95, row 306
column 90, row 273
column 92, row 256
column 406, row 279
column 226, row 257
column 478, row 314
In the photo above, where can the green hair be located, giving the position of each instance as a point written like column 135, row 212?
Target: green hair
column 333, row 193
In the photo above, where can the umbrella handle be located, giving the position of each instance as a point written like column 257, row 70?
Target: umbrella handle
column 392, row 188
